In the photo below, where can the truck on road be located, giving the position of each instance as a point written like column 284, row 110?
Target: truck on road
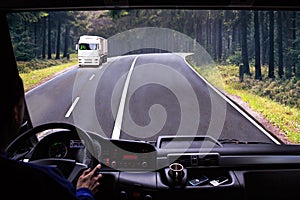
column 92, row 50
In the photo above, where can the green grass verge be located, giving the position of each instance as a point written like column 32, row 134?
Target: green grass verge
column 284, row 117
column 34, row 77
column 275, row 99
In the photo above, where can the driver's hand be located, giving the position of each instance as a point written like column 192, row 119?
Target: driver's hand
column 90, row 179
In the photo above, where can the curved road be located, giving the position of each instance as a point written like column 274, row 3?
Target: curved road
column 142, row 97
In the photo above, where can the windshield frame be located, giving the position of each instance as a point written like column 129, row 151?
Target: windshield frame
column 217, row 7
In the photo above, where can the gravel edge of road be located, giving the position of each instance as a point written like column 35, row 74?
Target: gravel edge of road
column 260, row 118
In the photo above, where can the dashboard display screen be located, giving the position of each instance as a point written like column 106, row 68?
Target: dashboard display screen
column 128, row 156
column 76, row 144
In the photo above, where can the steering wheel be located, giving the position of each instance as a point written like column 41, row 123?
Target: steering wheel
column 69, row 167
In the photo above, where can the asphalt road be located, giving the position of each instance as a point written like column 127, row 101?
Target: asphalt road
column 142, row 97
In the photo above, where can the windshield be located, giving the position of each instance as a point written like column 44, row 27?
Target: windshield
column 232, row 75
column 84, row 46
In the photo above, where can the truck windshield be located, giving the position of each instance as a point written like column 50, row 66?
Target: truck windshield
column 85, row 46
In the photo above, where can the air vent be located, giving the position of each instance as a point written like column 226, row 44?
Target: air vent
column 208, row 160
column 196, row 159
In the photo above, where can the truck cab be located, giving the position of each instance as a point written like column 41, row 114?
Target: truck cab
column 92, row 50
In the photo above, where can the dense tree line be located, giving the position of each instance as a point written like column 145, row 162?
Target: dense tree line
column 251, row 38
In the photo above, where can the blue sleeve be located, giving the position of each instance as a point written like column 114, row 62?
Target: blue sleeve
column 84, row 194
column 55, row 174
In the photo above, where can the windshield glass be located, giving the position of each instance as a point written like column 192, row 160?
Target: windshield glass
column 232, row 75
column 84, row 46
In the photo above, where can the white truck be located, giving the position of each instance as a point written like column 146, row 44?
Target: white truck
column 92, row 50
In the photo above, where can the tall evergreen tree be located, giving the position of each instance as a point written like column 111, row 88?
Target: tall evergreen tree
column 44, row 36
column 49, row 37
column 280, row 44
column 289, row 44
column 263, row 37
column 271, row 43
column 245, row 59
column 66, row 43
column 58, row 32
column 257, row 46
column 220, row 35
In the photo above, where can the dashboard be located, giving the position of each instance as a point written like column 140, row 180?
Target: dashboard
column 128, row 155
column 167, row 169
column 113, row 155
column 60, row 145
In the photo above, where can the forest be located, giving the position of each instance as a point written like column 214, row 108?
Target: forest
column 238, row 37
